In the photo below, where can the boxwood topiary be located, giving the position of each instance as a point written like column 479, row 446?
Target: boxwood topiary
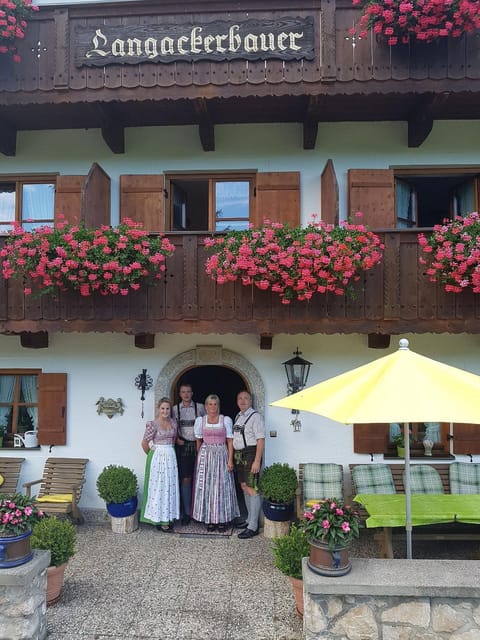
column 278, row 483
column 117, row 484
column 56, row 536
column 289, row 551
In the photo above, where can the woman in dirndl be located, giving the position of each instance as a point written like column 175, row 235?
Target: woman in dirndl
column 161, row 496
column 215, row 498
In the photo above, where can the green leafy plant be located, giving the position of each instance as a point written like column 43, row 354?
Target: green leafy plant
column 289, row 550
column 108, row 260
column 56, row 536
column 17, row 514
column 278, row 483
column 333, row 522
column 117, row 484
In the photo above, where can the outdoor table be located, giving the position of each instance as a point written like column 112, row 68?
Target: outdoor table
column 388, row 510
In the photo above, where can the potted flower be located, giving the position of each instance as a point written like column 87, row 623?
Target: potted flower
column 294, row 262
column 118, row 486
column 330, row 526
column 451, row 254
column 278, row 486
column 400, row 22
column 289, row 551
column 58, row 537
column 108, row 260
column 18, row 514
column 13, row 22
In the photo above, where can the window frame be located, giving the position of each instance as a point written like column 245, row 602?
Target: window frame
column 20, row 180
column 16, row 404
column 211, row 178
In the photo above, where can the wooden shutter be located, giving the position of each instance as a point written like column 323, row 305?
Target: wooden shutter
column 372, row 191
column 466, row 438
column 142, row 199
column 96, row 198
column 68, row 198
column 277, row 198
column 52, row 408
column 370, row 438
column 329, row 194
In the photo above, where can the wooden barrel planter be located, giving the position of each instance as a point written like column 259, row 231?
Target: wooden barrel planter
column 328, row 562
column 15, row 550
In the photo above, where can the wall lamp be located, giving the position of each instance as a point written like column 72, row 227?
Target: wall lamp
column 297, row 370
column 143, row 382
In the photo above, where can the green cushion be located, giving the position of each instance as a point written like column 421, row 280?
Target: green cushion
column 322, row 480
column 464, row 477
column 373, row 478
column 424, row 479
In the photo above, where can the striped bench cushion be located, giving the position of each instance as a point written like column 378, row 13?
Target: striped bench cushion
column 464, row 477
column 373, row 478
column 424, row 479
column 322, row 480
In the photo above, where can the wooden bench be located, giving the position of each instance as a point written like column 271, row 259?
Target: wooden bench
column 436, row 532
column 61, row 476
column 10, row 470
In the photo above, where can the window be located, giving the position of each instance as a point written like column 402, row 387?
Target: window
column 33, row 401
column 426, row 198
column 219, row 202
column 26, row 200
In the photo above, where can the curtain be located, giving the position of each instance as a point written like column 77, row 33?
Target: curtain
column 30, row 394
column 7, row 388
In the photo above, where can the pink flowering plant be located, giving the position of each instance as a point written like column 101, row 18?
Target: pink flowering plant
column 294, row 262
column 17, row 514
column 13, row 22
column 333, row 522
column 452, row 253
column 107, row 260
column 402, row 21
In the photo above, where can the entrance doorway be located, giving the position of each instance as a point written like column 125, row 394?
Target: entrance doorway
column 207, row 379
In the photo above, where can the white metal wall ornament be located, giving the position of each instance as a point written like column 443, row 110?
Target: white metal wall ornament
column 110, row 407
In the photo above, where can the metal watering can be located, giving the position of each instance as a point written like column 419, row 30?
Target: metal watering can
column 29, row 441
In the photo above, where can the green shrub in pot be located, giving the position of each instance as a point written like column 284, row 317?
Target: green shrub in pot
column 117, row 484
column 289, row 551
column 278, row 483
column 54, row 535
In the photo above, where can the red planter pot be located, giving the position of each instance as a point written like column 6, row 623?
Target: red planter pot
column 328, row 563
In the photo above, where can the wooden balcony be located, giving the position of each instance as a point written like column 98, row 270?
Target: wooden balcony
column 369, row 81
column 393, row 298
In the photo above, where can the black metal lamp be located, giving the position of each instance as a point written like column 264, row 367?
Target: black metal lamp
column 297, row 370
column 143, row 382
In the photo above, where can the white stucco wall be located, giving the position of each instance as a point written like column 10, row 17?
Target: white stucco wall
column 106, row 365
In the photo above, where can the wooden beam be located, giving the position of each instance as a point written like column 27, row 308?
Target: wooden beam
column 8, row 138
column 310, row 122
column 206, row 128
column 420, row 123
column 145, row 340
column 310, row 130
column 113, row 131
column 31, row 340
column 378, row 341
column 266, row 340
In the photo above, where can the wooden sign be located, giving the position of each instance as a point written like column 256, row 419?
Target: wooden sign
column 285, row 38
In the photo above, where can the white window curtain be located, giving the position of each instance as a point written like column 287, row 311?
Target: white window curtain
column 7, row 388
column 30, row 394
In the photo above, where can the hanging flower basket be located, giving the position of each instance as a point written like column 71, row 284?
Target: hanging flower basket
column 404, row 21
column 452, row 254
column 294, row 262
column 13, row 22
column 108, row 260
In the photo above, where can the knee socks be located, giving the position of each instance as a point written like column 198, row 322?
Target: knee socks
column 186, row 491
column 254, row 504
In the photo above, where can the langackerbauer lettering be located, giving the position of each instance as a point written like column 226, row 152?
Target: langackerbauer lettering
column 285, row 38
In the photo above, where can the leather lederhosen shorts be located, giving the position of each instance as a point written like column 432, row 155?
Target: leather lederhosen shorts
column 243, row 459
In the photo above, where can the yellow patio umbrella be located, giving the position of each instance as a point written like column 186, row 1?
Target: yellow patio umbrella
column 401, row 387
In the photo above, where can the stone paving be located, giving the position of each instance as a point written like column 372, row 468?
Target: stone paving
column 149, row 584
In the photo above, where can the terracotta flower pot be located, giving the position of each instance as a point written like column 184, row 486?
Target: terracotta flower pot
column 55, row 578
column 297, row 588
column 328, row 562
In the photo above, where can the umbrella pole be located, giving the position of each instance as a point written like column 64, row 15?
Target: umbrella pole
column 408, row 493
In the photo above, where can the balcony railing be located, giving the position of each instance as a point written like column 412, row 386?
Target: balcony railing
column 393, row 298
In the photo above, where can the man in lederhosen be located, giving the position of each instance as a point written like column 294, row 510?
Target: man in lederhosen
column 248, row 444
column 185, row 413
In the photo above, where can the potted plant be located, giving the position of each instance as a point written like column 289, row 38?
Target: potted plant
column 294, row 262
column 58, row 537
column 13, row 15
column 289, row 551
column 399, row 441
column 399, row 22
column 451, row 254
column 330, row 526
column 278, row 486
column 118, row 486
column 18, row 514
column 108, row 260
